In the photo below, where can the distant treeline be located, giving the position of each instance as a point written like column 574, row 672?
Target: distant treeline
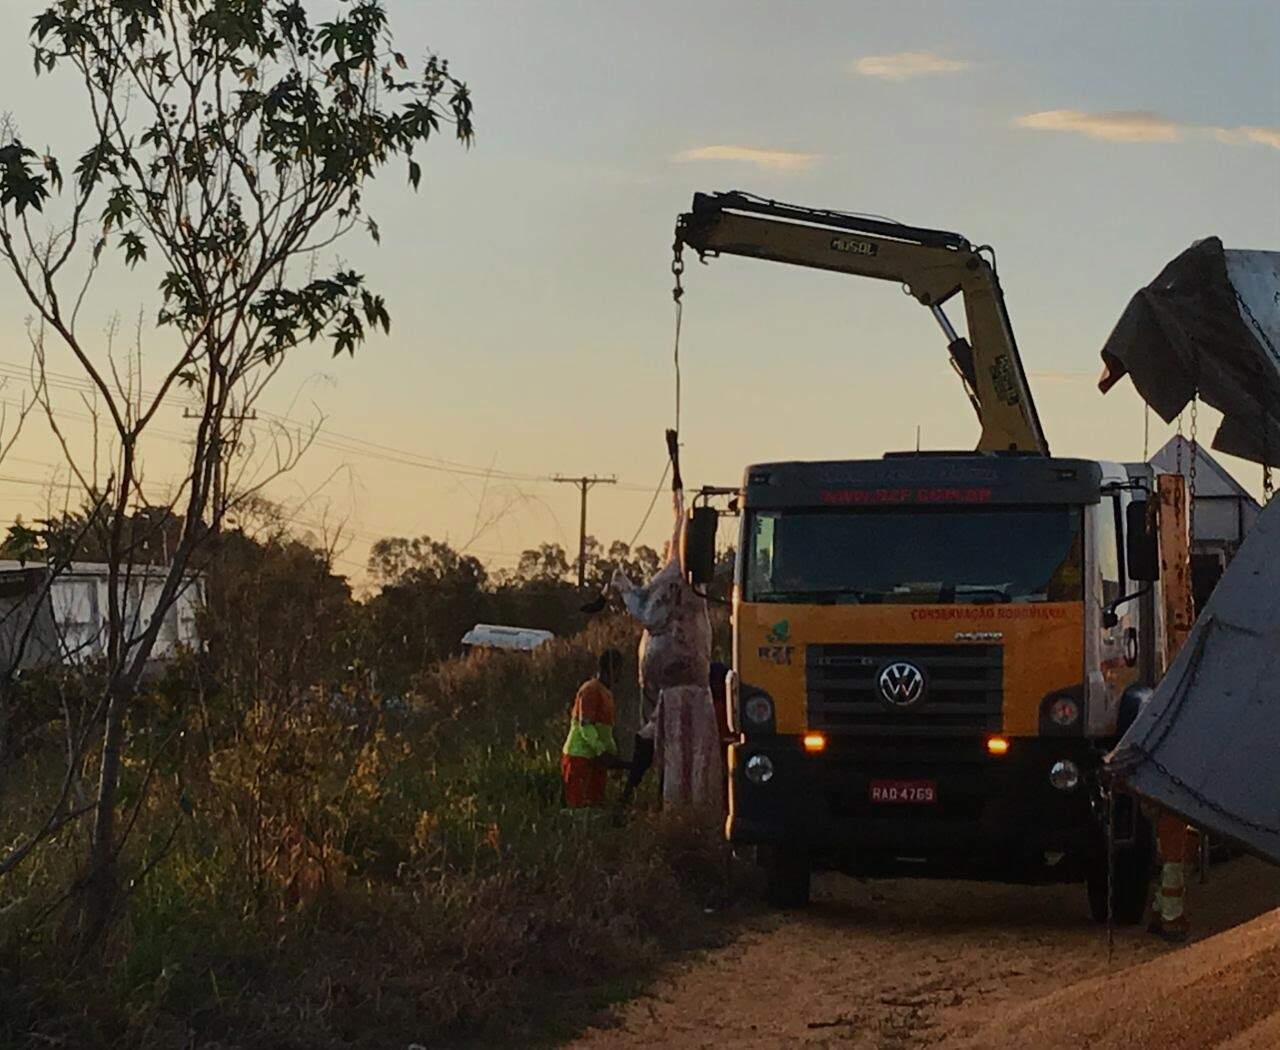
column 278, row 614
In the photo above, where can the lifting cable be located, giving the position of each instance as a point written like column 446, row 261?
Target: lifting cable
column 652, row 503
column 673, row 460
column 673, row 435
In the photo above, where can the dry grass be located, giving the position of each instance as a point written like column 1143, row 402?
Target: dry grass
column 356, row 876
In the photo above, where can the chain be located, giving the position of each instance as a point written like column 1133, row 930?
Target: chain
column 1192, row 674
column 1191, row 479
column 1190, row 679
column 1198, row 798
column 677, row 295
column 1268, row 486
column 1262, row 332
column 1111, row 876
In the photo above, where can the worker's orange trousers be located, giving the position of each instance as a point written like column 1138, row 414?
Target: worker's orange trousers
column 584, row 781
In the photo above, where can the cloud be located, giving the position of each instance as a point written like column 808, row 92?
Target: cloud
column 771, row 159
column 1249, row 134
column 907, row 64
column 1117, row 126
column 1142, row 126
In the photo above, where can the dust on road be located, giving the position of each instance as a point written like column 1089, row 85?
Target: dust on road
column 899, row 964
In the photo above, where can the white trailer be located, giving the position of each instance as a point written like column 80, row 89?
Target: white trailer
column 71, row 626
column 498, row 636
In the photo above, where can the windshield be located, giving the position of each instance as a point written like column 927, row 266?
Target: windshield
column 929, row 557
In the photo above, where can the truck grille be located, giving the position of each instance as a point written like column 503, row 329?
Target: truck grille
column 963, row 689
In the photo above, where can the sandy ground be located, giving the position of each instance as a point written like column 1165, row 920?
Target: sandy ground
column 901, row 964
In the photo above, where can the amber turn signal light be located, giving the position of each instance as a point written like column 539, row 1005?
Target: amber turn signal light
column 997, row 745
column 815, row 742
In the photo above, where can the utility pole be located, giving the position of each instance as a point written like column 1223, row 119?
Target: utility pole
column 585, row 484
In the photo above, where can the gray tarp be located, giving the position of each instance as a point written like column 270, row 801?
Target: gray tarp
column 1210, row 321
column 1207, row 744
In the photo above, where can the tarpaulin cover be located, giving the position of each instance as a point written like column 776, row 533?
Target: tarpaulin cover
column 1207, row 744
column 1209, row 322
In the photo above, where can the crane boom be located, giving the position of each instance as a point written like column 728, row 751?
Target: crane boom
column 932, row 265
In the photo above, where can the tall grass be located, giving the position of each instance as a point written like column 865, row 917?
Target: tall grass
column 351, row 872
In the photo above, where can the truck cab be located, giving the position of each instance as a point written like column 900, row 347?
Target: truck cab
column 931, row 656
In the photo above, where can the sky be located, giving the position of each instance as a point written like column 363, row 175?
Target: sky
column 529, row 279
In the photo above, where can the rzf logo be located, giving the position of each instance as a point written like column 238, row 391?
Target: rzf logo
column 901, row 683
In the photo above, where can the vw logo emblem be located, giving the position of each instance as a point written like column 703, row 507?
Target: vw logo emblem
column 901, row 683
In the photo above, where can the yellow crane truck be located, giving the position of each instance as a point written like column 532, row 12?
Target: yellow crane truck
column 932, row 651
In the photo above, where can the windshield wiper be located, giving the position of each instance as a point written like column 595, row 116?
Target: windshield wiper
column 970, row 595
column 830, row 597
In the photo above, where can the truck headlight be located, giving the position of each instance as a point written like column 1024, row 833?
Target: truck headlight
column 1064, row 775
column 759, row 769
column 757, row 709
column 1064, row 711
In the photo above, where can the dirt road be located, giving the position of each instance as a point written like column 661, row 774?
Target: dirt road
column 902, row 964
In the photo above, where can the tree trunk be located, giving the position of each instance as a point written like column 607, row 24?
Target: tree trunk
column 101, row 886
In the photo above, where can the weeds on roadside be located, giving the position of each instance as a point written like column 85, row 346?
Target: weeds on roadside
column 352, row 871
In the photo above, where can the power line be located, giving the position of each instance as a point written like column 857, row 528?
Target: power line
column 343, row 443
column 330, row 439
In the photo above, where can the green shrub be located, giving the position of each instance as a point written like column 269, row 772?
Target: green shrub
column 354, row 873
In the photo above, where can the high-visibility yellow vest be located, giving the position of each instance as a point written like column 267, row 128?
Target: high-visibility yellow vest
column 591, row 722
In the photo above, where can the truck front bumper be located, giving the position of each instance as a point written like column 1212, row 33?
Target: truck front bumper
column 994, row 816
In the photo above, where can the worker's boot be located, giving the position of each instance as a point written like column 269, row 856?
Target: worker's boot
column 1175, row 931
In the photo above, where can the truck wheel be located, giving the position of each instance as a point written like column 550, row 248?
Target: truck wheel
column 1131, row 886
column 786, row 875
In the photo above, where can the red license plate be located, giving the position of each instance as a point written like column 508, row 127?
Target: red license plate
column 904, row 792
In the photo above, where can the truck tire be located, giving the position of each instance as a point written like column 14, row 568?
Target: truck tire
column 1131, row 889
column 786, row 875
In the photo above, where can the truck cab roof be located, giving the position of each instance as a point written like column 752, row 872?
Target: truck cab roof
column 929, row 479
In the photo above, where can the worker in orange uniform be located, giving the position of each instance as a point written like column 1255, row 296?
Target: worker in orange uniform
column 1176, row 841
column 590, row 750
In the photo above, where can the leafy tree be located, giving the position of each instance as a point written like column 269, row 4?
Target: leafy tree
column 276, row 619
column 640, row 564
column 429, row 596
column 397, row 560
column 148, row 536
column 232, row 144
column 546, row 563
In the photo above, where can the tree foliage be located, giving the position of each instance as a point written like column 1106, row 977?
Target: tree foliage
column 429, row 595
column 231, row 146
column 259, row 129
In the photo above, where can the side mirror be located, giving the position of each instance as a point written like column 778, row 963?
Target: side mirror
column 1142, row 550
column 698, row 546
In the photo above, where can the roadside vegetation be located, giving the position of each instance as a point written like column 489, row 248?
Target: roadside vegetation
column 321, row 863
column 326, row 826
